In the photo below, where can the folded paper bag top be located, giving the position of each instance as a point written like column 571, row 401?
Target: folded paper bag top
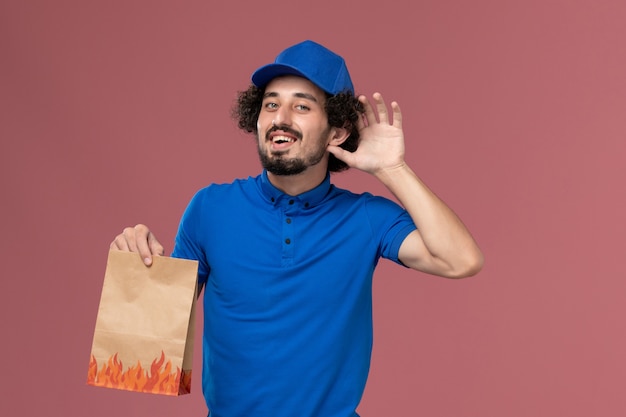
column 144, row 334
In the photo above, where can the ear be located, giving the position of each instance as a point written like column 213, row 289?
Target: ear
column 338, row 135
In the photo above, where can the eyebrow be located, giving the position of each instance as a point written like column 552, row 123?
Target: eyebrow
column 306, row 96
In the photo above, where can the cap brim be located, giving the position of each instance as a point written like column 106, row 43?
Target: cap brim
column 267, row 73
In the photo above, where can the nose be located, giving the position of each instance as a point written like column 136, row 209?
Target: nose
column 282, row 117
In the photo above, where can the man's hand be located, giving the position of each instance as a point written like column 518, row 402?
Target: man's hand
column 381, row 145
column 138, row 239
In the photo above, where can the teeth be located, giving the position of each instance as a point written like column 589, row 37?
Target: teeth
column 281, row 139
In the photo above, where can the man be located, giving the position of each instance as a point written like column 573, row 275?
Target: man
column 286, row 259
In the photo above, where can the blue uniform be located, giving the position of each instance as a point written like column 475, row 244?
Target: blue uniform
column 287, row 299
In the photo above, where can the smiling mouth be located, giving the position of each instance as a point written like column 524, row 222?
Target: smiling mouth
column 278, row 139
column 282, row 135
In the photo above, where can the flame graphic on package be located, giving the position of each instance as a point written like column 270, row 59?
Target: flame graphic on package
column 158, row 380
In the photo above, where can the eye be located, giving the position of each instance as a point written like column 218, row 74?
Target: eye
column 302, row 107
column 270, row 105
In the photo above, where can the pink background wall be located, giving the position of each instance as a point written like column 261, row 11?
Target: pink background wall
column 116, row 112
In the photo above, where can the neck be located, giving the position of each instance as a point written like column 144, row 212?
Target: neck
column 299, row 183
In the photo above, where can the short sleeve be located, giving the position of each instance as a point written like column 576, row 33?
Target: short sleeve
column 391, row 224
column 187, row 244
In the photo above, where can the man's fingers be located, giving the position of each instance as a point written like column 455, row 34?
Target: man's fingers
column 381, row 108
column 379, row 114
column 368, row 111
column 129, row 236
column 141, row 236
column 397, row 115
column 155, row 246
column 341, row 154
column 119, row 244
column 138, row 239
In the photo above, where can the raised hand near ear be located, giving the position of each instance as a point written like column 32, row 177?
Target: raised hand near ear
column 381, row 145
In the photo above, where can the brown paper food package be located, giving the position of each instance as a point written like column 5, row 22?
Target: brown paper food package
column 144, row 333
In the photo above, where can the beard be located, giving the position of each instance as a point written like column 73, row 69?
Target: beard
column 278, row 163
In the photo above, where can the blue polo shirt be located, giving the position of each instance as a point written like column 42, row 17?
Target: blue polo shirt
column 287, row 299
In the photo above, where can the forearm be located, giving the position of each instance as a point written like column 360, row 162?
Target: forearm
column 450, row 248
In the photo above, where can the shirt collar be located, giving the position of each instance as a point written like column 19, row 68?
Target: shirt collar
column 307, row 199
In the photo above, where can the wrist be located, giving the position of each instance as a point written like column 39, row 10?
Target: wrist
column 393, row 172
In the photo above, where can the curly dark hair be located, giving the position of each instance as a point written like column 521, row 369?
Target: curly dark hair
column 343, row 110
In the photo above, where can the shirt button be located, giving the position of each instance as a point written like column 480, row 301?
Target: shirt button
column 306, row 205
column 291, row 201
column 288, row 221
column 288, row 241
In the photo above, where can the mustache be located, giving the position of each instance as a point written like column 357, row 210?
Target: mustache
column 285, row 129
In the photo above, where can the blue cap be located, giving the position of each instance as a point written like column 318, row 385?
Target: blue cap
column 310, row 60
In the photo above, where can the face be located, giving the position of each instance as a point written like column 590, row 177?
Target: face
column 293, row 130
